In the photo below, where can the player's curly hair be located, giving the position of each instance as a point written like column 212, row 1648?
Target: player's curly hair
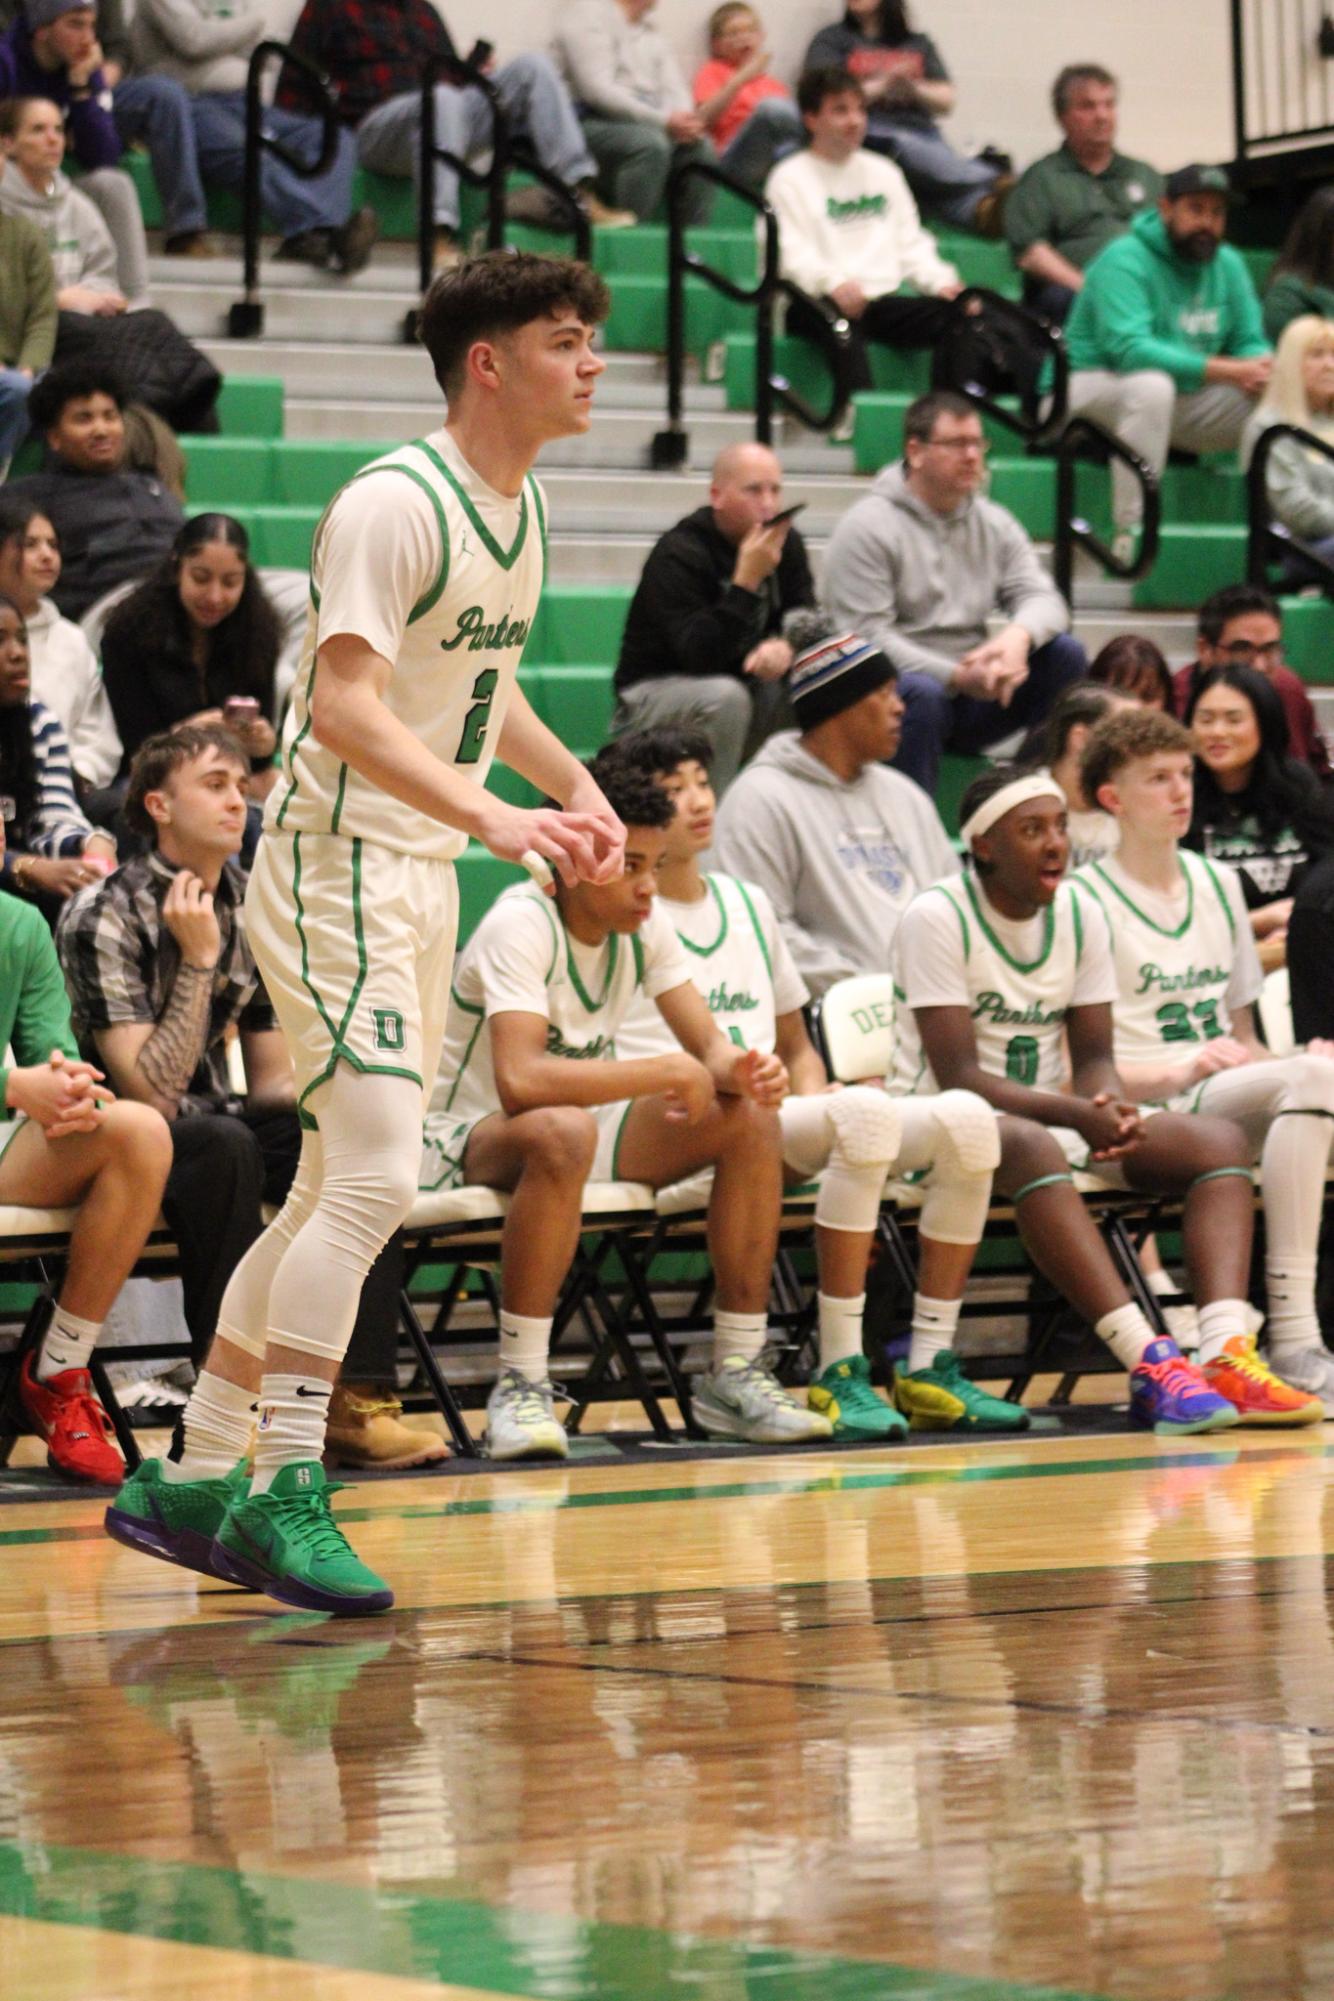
column 1122, row 738
column 632, row 794
column 660, row 751
column 498, row 293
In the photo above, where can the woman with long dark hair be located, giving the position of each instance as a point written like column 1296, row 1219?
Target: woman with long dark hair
column 50, row 848
column 1302, row 280
column 197, row 642
column 64, row 670
column 1255, row 806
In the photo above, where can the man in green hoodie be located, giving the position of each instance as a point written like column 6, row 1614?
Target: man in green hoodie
column 1166, row 341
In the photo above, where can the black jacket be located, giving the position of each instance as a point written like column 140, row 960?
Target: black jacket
column 688, row 617
column 114, row 527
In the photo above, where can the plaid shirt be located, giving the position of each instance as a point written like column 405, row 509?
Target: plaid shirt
column 120, row 962
column 373, row 50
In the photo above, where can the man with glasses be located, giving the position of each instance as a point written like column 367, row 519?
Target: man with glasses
column 921, row 565
column 1240, row 626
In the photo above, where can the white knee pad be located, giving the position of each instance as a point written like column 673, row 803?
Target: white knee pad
column 1311, row 1083
column 969, row 1133
column 867, row 1136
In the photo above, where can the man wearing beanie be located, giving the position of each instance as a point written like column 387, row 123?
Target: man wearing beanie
column 839, row 842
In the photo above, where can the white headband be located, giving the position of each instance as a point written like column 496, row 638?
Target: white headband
column 1033, row 785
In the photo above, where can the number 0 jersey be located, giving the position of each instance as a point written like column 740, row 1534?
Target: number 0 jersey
column 1018, row 980
column 440, row 574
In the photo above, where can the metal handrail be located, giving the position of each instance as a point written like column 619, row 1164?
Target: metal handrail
column 671, row 446
column 245, row 320
column 1043, row 404
column 1267, row 538
column 1072, row 531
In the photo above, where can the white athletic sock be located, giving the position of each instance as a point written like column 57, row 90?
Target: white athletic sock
column 1161, row 1283
column 67, row 1344
column 935, row 1322
column 1126, row 1332
column 216, row 1428
column 525, row 1344
column 1292, row 1321
column 840, row 1328
column 1218, row 1323
column 293, row 1413
column 737, row 1334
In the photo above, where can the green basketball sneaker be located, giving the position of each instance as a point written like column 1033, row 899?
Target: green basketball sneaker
column 941, row 1398
column 286, row 1543
column 175, row 1519
column 845, row 1395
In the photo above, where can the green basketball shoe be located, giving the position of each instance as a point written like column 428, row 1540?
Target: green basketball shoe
column 175, row 1519
column 286, row 1543
column 845, row 1395
column 941, row 1398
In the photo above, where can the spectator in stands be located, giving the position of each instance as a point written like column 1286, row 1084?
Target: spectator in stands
column 1298, row 480
column 748, row 114
column 908, row 88
column 1165, row 340
column 376, row 53
column 839, row 843
column 160, row 973
column 920, row 565
column 28, row 317
column 206, row 49
column 1057, row 745
column 1310, row 949
column 197, row 642
column 849, row 232
column 1255, row 806
column 1072, row 203
column 1302, row 278
column 51, row 848
column 703, row 639
column 635, row 104
column 1137, row 666
column 66, row 678
column 1241, row 626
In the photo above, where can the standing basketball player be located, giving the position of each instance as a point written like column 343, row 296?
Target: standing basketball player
column 425, row 577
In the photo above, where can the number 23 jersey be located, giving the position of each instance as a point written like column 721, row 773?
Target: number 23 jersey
column 440, row 574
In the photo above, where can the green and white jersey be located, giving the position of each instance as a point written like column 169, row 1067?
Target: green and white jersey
column 437, row 572
column 1183, row 962
column 521, row 959
column 739, row 961
column 1018, row 980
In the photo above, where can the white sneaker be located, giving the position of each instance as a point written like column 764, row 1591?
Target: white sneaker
column 1310, row 1369
column 742, row 1399
column 520, row 1423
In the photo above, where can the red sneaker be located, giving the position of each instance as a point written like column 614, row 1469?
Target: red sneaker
column 1259, row 1395
column 78, row 1434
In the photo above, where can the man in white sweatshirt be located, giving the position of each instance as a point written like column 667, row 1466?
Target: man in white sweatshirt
column 849, row 230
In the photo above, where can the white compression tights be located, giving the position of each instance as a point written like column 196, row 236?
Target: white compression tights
column 1267, row 1100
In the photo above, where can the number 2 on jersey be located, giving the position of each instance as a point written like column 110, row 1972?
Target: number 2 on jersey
column 472, row 737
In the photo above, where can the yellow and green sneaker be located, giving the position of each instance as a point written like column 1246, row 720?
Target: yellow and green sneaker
column 287, row 1544
column 174, row 1519
column 941, row 1398
column 845, row 1394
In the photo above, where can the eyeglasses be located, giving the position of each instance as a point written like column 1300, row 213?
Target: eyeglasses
column 1243, row 651
column 978, row 445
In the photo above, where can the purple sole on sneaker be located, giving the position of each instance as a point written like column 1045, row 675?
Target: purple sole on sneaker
column 305, row 1597
column 180, row 1546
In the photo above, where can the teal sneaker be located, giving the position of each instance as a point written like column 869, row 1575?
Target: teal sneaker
column 845, row 1395
column 287, row 1544
column 941, row 1398
column 175, row 1519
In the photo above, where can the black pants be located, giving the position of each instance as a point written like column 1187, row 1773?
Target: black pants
column 223, row 1166
column 895, row 320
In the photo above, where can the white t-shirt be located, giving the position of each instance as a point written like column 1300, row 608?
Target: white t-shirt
column 1018, row 979
column 440, row 574
column 738, row 959
column 521, row 959
column 852, row 220
column 1093, row 835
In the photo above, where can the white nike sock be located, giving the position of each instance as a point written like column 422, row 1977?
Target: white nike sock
column 293, row 1414
column 1218, row 1323
column 67, row 1344
column 1126, row 1332
column 216, row 1428
column 840, row 1327
column 935, row 1322
column 525, row 1344
column 1292, row 1321
column 737, row 1334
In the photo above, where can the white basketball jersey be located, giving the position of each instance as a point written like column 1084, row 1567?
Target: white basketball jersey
column 455, row 662
column 1018, row 1007
column 729, row 962
column 1171, row 984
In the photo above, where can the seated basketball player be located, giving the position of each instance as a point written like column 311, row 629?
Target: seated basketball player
column 1188, row 978
column 850, row 1138
column 532, row 1096
column 994, row 970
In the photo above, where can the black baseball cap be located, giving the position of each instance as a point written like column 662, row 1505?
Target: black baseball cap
column 1198, row 180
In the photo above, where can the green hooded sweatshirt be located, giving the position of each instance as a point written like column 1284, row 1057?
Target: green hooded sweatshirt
column 1142, row 306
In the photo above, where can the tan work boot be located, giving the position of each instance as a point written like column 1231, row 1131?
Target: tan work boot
column 366, row 1430
column 603, row 217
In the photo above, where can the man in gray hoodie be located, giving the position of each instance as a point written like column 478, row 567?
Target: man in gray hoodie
column 921, row 565
column 840, row 843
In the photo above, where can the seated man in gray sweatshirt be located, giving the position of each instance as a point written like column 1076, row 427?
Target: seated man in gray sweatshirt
column 921, row 565
column 839, row 843
column 634, row 102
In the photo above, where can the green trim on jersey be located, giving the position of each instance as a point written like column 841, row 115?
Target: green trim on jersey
column 707, row 951
column 744, row 894
column 616, row 1144
column 637, row 947
column 959, row 911
column 489, row 542
column 1143, row 915
column 590, row 1005
column 551, row 913
column 541, row 514
column 468, row 1007
column 1015, row 965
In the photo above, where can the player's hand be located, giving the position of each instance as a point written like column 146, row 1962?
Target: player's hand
column 1111, row 1126
column 760, row 1077
column 1223, row 1052
column 187, row 911
column 688, row 1090
column 1320, row 1045
column 579, row 846
column 587, row 797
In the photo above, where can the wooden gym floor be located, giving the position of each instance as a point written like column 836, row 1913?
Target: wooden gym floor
column 954, row 1723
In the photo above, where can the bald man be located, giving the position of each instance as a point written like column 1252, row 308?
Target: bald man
column 704, row 638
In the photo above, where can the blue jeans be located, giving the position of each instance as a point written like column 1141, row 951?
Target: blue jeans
column 15, row 389
column 947, row 184
column 773, row 130
column 292, row 204
column 157, row 111
column 936, row 721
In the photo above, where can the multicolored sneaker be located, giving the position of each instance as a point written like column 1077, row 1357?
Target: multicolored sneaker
column 286, row 1543
column 1309, row 1369
column 1170, row 1396
column 78, row 1434
column 845, row 1394
column 520, row 1420
column 941, row 1398
column 743, row 1399
column 1256, row 1394
column 174, row 1519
